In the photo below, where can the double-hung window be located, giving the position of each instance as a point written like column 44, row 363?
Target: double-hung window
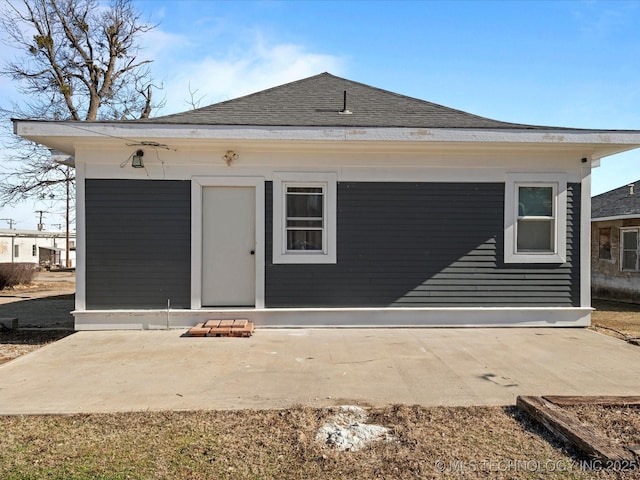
column 304, row 217
column 536, row 227
column 535, row 218
column 630, row 249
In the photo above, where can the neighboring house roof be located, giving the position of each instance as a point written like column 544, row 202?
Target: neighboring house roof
column 6, row 232
column 317, row 102
column 622, row 202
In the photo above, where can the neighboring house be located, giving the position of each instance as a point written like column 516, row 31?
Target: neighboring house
column 36, row 246
column 615, row 244
column 329, row 202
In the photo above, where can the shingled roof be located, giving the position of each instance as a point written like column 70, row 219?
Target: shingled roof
column 318, row 101
column 618, row 202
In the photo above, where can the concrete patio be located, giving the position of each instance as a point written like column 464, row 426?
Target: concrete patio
column 116, row 371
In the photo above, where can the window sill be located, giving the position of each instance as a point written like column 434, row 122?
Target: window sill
column 304, row 258
column 535, row 258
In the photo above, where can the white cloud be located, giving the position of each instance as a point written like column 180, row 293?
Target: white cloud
column 244, row 69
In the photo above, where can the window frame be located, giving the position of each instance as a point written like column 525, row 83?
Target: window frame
column 322, row 219
column 622, row 249
column 605, row 246
column 328, row 182
column 558, row 252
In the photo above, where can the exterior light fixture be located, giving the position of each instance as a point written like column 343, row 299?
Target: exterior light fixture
column 229, row 157
column 136, row 160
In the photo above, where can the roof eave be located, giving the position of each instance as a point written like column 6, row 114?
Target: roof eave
column 616, row 217
column 64, row 136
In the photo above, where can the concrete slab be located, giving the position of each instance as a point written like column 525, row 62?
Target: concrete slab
column 276, row 368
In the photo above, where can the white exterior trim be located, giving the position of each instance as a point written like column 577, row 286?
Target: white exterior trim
column 340, row 317
column 81, row 239
column 329, row 181
column 617, row 217
column 197, row 183
column 131, row 131
column 513, row 181
column 585, row 238
column 622, row 249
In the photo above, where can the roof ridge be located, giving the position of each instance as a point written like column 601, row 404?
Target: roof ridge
column 621, row 187
column 249, row 95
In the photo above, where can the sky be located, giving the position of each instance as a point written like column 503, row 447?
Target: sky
column 570, row 64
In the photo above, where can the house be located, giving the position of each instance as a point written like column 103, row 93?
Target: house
column 45, row 248
column 327, row 202
column 615, row 244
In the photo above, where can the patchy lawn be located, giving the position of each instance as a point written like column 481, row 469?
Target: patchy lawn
column 470, row 443
column 613, row 317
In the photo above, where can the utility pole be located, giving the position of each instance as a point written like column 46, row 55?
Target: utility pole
column 40, row 225
column 10, row 221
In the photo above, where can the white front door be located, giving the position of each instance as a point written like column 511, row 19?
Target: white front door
column 228, row 246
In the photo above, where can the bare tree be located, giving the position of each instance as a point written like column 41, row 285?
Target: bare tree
column 76, row 60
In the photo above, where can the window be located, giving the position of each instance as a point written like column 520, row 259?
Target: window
column 604, row 243
column 34, row 251
column 304, row 218
column 305, row 223
column 535, row 230
column 629, row 249
column 16, row 251
column 535, row 218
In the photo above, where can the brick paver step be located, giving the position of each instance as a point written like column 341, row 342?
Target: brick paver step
column 239, row 327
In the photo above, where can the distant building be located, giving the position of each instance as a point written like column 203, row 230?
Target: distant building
column 615, row 244
column 45, row 248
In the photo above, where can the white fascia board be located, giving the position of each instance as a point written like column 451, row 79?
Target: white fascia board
column 617, row 217
column 135, row 132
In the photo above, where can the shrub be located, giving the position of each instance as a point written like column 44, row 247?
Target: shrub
column 12, row 274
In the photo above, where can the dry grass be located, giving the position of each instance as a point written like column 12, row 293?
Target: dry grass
column 15, row 343
column 470, row 443
column 621, row 425
column 616, row 316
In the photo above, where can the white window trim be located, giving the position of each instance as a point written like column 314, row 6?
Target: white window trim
column 559, row 182
column 627, row 229
column 329, row 182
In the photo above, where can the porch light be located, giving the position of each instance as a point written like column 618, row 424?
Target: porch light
column 136, row 160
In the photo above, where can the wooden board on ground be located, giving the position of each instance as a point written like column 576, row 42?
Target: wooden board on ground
column 568, row 427
column 569, row 400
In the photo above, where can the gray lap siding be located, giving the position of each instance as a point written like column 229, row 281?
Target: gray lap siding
column 423, row 245
column 138, row 247
column 398, row 244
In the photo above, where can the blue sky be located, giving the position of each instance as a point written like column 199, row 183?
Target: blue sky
column 574, row 64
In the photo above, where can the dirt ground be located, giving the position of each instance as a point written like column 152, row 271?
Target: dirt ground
column 43, row 313
column 620, row 320
column 46, row 303
column 427, row 443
